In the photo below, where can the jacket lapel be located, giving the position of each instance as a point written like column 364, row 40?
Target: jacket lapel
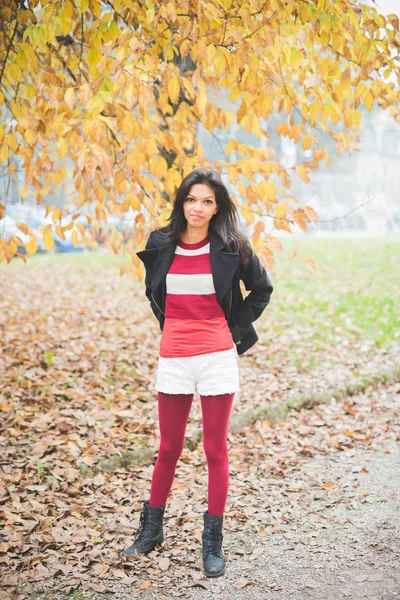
column 223, row 265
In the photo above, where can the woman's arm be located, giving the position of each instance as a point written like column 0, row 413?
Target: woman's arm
column 256, row 280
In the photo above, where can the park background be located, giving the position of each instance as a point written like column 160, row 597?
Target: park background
column 313, row 503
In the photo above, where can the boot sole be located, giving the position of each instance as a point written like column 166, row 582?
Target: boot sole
column 159, row 543
column 215, row 574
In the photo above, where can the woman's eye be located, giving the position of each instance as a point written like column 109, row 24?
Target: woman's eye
column 189, row 199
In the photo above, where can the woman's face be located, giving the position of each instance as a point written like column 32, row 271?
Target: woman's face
column 200, row 205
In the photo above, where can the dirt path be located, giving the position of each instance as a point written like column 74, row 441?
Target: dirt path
column 350, row 550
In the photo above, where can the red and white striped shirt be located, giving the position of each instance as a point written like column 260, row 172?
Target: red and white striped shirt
column 194, row 321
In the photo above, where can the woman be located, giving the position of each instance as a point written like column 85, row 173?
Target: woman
column 193, row 270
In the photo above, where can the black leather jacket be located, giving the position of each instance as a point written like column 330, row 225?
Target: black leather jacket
column 227, row 273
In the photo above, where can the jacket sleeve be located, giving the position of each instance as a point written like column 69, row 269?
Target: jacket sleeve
column 147, row 282
column 256, row 280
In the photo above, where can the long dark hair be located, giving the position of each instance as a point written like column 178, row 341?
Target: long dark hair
column 224, row 222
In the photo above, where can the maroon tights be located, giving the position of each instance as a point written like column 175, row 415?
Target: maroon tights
column 173, row 414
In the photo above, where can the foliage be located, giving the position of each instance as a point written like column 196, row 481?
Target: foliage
column 119, row 88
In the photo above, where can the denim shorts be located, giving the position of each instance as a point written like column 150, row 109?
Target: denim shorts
column 213, row 373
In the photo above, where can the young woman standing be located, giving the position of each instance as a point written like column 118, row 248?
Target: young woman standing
column 193, row 270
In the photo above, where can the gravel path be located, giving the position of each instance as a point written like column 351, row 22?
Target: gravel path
column 351, row 551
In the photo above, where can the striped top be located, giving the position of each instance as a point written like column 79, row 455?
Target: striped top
column 194, row 321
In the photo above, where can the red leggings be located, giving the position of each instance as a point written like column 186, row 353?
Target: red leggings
column 173, row 414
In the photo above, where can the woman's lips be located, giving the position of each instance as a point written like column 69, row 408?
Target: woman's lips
column 197, row 217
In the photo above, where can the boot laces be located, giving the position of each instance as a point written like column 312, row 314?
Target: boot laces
column 213, row 540
column 141, row 526
column 145, row 527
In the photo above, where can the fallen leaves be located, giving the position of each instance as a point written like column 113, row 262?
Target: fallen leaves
column 328, row 485
column 241, row 583
column 164, row 564
column 64, row 524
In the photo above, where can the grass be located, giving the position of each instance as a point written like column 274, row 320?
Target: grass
column 355, row 291
column 81, row 260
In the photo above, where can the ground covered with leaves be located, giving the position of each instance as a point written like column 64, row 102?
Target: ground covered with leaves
column 78, row 361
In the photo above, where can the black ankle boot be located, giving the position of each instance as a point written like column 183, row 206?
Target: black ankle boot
column 214, row 564
column 150, row 530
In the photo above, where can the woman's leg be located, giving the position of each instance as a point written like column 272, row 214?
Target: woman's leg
column 216, row 411
column 173, row 414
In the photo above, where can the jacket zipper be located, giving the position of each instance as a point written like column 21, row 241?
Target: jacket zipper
column 157, row 305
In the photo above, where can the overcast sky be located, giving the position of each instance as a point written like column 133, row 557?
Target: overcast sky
column 388, row 6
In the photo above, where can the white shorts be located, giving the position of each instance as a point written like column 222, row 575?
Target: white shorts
column 213, row 373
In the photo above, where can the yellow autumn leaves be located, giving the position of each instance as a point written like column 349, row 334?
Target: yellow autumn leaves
column 173, row 89
column 118, row 96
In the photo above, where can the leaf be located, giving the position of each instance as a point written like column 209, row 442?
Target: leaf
column 219, row 62
column 310, row 262
column 158, row 166
column 48, row 240
column 24, row 228
column 62, row 148
column 280, row 210
column 368, row 100
column 247, row 213
column 204, row 583
column 70, row 98
column 119, row 573
column 311, row 214
column 318, row 154
column 57, row 215
column 295, row 58
column 164, row 564
column 394, row 21
column 241, row 583
column 144, row 585
column 74, row 238
column 302, row 172
column 187, row 84
column 306, row 143
column 97, row 587
column 31, row 247
column 60, row 232
column 328, row 485
column 173, row 89
column 286, row 180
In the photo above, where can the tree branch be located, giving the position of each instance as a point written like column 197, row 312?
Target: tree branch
column 8, row 50
column 261, row 26
column 120, row 16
